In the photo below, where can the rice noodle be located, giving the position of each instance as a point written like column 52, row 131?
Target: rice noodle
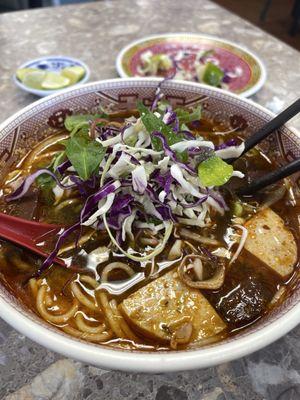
column 114, row 319
column 84, row 299
column 92, row 337
column 176, row 250
column 84, row 327
column 33, row 286
column 153, row 268
column 89, row 280
column 187, row 234
column 241, row 243
column 110, row 315
column 55, row 319
column 192, row 247
column 113, row 266
column 277, row 296
column 123, row 324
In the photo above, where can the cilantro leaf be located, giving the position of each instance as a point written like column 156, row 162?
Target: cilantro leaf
column 84, row 154
column 185, row 116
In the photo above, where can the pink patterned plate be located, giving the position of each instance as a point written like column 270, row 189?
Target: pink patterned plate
column 244, row 72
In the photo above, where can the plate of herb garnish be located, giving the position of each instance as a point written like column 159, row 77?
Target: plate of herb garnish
column 194, row 57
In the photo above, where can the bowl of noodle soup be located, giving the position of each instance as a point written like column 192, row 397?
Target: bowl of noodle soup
column 180, row 254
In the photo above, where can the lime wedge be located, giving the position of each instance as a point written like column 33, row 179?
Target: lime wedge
column 34, row 79
column 24, row 71
column 53, row 81
column 75, row 73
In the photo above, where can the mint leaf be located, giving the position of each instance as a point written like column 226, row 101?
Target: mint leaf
column 214, row 172
column 74, row 123
column 85, row 154
column 212, row 75
column 185, row 116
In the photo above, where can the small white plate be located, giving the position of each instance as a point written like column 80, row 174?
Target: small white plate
column 53, row 64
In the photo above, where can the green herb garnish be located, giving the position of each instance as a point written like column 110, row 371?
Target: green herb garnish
column 46, row 183
column 212, row 75
column 214, row 172
column 74, row 123
column 185, row 116
column 84, row 154
column 153, row 123
column 237, row 208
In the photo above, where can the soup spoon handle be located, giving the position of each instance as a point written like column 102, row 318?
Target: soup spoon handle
column 29, row 234
column 270, row 178
column 270, row 127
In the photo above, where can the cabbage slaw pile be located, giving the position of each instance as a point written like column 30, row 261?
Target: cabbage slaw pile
column 204, row 68
column 150, row 173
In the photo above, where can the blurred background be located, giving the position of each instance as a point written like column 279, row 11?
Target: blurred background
column 281, row 18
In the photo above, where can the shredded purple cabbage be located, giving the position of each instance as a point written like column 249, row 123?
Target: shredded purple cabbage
column 61, row 169
column 218, row 198
column 229, row 143
column 166, row 213
column 29, row 180
column 196, row 203
column 94, row 199
column 170, row 153
column 143, row 185
column 61, row 239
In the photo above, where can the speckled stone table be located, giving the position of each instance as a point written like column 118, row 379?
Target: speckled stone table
column 95, row 32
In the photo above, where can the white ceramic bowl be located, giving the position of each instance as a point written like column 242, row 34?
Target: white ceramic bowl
column 19, row 132
column 55, row 64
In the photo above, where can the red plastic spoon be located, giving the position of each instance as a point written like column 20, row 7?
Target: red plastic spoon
column 28, row 234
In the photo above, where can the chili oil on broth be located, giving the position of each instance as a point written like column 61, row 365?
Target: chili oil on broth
column 69, row 299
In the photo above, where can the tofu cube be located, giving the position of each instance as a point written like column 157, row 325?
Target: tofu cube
column 160, row 307
column 271, row 242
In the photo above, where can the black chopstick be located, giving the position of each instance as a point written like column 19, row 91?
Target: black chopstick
column 270, row 127
column 270, row 178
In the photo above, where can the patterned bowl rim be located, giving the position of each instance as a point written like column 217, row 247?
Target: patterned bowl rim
column 140, row 361
column 44, row 93
column 247, row 93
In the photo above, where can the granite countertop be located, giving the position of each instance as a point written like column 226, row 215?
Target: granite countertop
column 95, row 32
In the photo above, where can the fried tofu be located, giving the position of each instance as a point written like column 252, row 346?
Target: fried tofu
column 271, row 242
column 163, row 306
